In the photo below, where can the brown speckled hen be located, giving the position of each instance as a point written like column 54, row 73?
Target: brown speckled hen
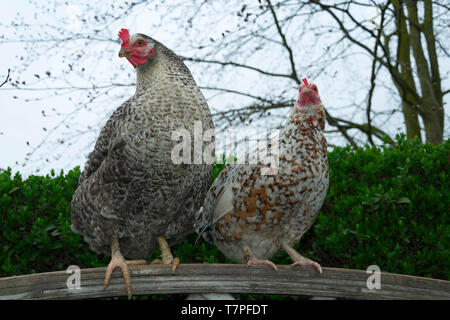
column 131, row 196
column 250, row 214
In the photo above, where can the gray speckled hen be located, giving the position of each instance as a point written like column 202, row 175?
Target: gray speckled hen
column 130, row 192
column 251, row 214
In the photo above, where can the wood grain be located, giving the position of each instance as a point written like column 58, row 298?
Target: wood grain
column 224, row 278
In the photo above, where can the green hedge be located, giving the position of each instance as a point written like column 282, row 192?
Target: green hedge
column 386, row 206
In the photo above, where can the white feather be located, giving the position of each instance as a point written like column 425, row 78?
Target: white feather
column 224, row 203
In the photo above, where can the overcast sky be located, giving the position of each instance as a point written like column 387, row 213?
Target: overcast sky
column 23, row 126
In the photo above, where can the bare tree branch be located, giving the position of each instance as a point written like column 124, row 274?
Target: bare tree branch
column 240, row 65
column 285, row 44
column 6, row 80
column 373, row 76
column 273, row 40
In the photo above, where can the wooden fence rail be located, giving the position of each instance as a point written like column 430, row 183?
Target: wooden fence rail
column 224, row 278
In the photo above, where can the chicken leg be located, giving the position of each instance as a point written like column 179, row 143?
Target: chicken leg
column 167, row 257
column 252, row 260
column 117, row 260
column 298, row 259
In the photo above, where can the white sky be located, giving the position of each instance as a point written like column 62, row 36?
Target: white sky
column 22, row 122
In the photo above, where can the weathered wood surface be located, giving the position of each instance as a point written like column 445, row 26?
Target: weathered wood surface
column 221, row 278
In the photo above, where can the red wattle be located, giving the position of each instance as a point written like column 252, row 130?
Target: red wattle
column 311, row 100
column 139, row 60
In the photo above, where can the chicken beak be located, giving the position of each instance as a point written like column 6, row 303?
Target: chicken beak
column 124, row 52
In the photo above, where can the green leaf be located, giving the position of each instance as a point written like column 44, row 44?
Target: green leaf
column 403, row 200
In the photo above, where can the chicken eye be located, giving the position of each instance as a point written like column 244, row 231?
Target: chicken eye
column 315, row 88
column 140, row 43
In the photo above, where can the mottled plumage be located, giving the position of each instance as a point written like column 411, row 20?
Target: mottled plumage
column 250, row 214
column 130, row 189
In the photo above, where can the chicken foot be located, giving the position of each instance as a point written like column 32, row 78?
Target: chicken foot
column 166, row 254
column 298, row 259
column 117, row 260
column 252, row 260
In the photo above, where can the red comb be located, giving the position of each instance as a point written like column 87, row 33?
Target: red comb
column 305, row 81
column 125, row 36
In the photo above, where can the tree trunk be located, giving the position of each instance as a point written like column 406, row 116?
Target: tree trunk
column 431, row 109
column 409, row 102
